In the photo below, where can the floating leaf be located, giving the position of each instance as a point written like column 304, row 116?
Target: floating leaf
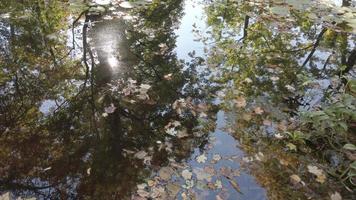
column 186, row 174
column 218, row 184
column 188, row 184
column 140, row 154
column 173, row 189
column 216, row 157
column 165, row 173
column 201, row 159
column 202, row 174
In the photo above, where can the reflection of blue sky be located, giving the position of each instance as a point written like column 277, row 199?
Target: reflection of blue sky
column 224, row 145
column 193, row 14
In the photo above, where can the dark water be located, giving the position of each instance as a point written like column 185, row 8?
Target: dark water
column 137, row 94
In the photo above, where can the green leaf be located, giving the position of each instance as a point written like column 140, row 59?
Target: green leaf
column 349, row 147
column 353, row 165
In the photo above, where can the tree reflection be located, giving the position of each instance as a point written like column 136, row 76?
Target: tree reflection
column 86, row 144
column 265, row 55
column 273, row 61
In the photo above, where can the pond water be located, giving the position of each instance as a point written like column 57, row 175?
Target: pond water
column 152, row 99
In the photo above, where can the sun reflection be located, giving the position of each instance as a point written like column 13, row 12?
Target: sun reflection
column 113, row 62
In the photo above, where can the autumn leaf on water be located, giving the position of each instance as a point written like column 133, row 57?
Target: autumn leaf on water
column 165, row 173
column 234, row 184
column 186, row 174
column 218, row 184
column 201, row 159
column 216, row 158
column 202, row 174
column 140, row 154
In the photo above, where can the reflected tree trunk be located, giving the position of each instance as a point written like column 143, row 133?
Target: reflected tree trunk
column 346, row 3
column 247, row 19
column 316, row 44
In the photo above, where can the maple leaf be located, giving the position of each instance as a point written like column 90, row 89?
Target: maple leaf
column 201, row 159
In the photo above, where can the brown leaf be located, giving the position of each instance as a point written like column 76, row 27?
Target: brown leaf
column 295, row 179
column 240, row 102
column 234, row 185
column 336, row 196
column 165, row 173
column 258, row 110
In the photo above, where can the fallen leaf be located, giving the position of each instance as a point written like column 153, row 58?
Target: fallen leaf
column 295, row 179
column 291, row 147
column 240, row 102
column 248, row 80
column 274, row 78
column 142, row 186
column 201, row 159
column 110, row 109
column 209, row 169
column 217, row 197
column 225, row 171
column 182, row 133
column 218, row 184
column 151, row 183
column 258, row 110
column 246, row 116
column 236, row 172
column 267, row 122
column 173, row 189
column 140, row 155
column 186, row 174
column 158, row 193
column 290, row 88
column 171, row 131
column 282, row 126
column 211, row 186
column 234, row 185
column 278, row 136
column 143, row 193
column 319, row 173
column 335, row 196
column 202, row 175
column 259, row 156
column 188, row 184
column 247, row 159
column 216, row 157
column 165, row 173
